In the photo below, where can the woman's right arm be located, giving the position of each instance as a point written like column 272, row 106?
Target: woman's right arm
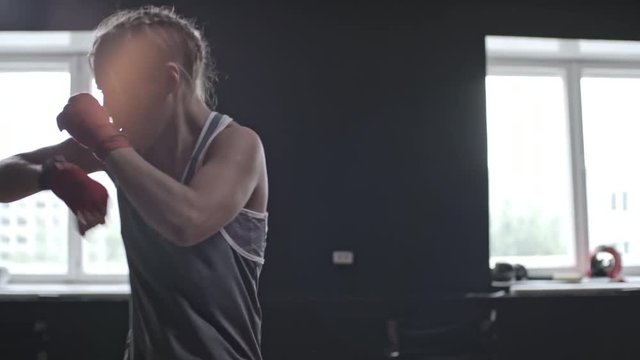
column 19, row 173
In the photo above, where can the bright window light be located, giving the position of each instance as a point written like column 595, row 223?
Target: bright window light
column 34, row 232
column 531, row 215
column 38, row 235
column 611, row 129
column 562, row 151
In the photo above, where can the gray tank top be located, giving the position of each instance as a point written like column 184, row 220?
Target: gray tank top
column 197, row 302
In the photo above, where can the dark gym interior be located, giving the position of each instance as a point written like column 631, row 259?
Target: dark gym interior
column 374, row 123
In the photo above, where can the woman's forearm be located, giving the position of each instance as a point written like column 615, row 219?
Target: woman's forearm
column 18, row 179
column 163, row 202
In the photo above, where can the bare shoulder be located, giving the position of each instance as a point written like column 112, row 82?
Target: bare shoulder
column 236, row 140
column 238, row 133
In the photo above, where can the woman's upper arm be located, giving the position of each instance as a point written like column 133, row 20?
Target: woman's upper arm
column 72, row 152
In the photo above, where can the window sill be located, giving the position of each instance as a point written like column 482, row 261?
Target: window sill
column 21, row 292
column 583, row 287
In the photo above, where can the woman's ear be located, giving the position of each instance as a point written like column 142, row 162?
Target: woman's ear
column 172, row 78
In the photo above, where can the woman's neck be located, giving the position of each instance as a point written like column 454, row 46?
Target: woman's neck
column 172, row 150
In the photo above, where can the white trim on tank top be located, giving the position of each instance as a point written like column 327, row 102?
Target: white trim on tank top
column 237, row 248
column 255, row 214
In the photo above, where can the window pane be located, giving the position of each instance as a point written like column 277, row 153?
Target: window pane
column 530, row 183
column 103, row 252
column 610, row 112
column 33, row 231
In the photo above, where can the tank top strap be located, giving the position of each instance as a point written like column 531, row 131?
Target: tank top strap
column 214, row 124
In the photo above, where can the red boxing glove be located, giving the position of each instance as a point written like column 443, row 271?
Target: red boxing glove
column 88, row 123
column 71, row 184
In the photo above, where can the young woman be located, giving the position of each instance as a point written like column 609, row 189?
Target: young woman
column 192, row 187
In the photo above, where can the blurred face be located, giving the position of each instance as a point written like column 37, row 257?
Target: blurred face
column 131, row 76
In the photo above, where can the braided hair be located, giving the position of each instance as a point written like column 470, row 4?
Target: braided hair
column 172, row 34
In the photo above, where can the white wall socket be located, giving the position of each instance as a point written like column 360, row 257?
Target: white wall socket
column 343, row 257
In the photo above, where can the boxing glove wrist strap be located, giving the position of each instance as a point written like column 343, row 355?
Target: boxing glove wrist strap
column 116, row 141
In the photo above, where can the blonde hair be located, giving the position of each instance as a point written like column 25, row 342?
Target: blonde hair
column 176, row 34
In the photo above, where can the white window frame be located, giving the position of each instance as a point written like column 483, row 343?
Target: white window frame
column 46, row 51
column 571, row 64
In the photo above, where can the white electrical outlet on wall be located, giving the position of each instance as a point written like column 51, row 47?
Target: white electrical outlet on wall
column 343, row 257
